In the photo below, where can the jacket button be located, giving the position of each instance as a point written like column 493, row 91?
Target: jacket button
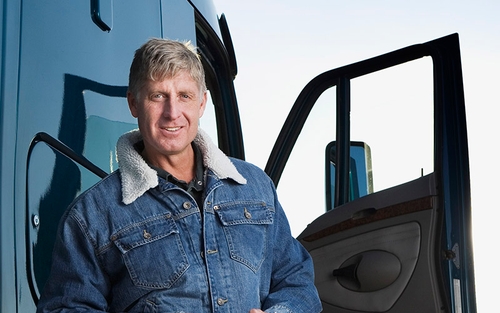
column 186, row 205
column 248, row 215
column 221, row 301
column 216, row 208
column 145, row 234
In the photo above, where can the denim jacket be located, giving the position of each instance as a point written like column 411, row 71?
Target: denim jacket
column 137, row 243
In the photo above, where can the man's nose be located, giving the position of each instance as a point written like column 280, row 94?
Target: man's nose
column 171, row 108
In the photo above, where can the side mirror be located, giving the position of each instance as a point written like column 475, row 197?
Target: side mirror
column 360, row 172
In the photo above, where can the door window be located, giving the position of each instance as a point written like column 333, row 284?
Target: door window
column 391, row 112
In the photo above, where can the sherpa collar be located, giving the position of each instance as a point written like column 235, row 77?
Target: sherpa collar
column 138, row 177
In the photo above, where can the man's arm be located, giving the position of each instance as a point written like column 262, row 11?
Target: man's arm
column 292, row 281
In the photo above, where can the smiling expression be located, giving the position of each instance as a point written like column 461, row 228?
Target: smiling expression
column 168, row 113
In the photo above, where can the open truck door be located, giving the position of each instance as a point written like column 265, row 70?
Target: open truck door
column 407, row 248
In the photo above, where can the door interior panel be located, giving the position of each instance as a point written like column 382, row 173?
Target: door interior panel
column 380, row 262
column 367, row 257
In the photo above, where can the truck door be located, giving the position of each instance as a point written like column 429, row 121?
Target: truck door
column 404, row 247
column 73, row 74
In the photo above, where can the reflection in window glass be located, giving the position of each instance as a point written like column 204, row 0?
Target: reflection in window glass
column 107, row 119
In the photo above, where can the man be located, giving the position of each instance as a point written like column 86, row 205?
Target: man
column 179, row 227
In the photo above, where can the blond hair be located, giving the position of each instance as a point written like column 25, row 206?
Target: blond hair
column 159, row 59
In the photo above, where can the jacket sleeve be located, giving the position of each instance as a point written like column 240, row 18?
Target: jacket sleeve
column 292, row 281
column 77, row 281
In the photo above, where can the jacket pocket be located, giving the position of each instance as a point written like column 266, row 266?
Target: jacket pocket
column 246, row 227
column 152, row 251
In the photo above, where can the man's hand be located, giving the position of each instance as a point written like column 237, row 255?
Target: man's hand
column 256, row 311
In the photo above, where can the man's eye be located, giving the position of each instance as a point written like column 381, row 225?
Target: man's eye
column 157, row 96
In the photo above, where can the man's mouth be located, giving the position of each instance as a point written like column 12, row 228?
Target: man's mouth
column 171, row 129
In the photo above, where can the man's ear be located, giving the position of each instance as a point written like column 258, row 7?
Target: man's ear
column 132, row 104
column 203, row 104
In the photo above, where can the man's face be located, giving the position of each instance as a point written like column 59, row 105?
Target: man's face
column 168, row 112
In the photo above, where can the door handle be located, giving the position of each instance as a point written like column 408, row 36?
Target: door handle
column 368, row 271
column 101, row 12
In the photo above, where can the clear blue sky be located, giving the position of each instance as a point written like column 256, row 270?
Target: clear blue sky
column 282, row 44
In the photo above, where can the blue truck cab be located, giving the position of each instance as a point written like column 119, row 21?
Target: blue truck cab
column 63, row 83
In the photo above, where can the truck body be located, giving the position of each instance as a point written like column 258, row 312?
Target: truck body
column 63, row 84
